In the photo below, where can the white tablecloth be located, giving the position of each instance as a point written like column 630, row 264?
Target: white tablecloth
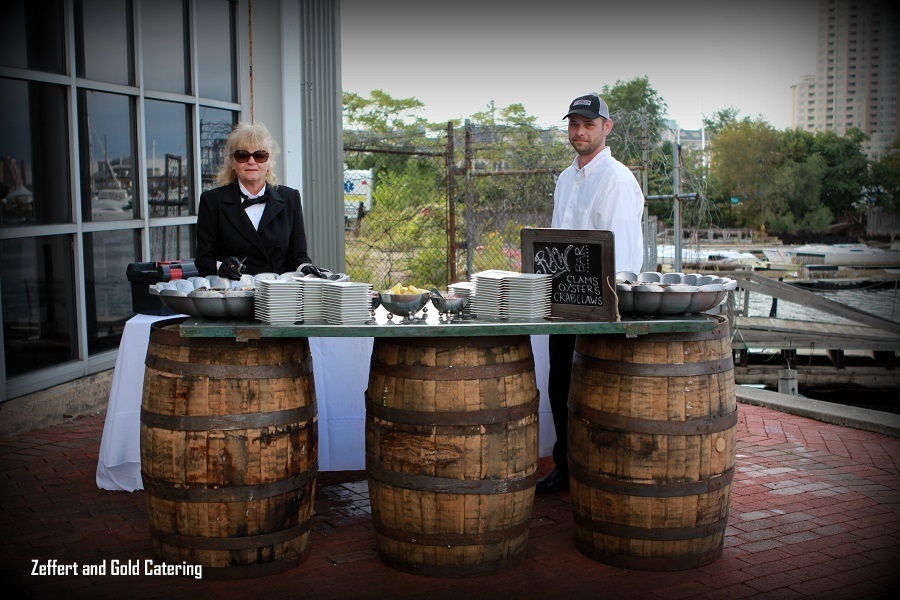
column 341, row 373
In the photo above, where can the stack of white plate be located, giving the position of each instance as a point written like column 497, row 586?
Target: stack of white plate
column 278, row 301
column 347, row 302
column 528, row 296
column 511, row 295
column 490, row 293
column 313, row 300
column 464, row 289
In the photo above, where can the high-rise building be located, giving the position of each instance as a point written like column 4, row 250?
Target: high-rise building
column 855, row 84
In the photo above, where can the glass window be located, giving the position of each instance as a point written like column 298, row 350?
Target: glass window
column 107, row 289
column 169, row 170
column 216, row 49
column 33, row 35
column 172, row 243
column 164, row 45
column 104, row 41
column 37, row 296
column 34, row 167
column 106, row 126
column 215, row 127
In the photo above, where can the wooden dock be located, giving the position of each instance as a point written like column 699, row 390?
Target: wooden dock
column 831, row 355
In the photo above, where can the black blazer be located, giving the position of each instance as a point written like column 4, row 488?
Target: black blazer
column 224, row 229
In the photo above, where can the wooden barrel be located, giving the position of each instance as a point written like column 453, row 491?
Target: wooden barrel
column 229, row 451
column 451, row 452
column 652, row 424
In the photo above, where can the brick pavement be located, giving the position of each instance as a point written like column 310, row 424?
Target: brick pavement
column 815, row 513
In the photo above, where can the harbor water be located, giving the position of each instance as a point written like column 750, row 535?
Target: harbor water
column 877, row 301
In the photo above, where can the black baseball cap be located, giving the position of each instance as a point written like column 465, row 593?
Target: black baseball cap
column 591, row 106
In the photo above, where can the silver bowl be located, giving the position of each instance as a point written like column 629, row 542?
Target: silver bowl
column 448, row 303
column 701, row 301
column 222, row 305
column 626, row 297
column 178, row 302
column 647, row 298
column 404, row 305
column 674, row 302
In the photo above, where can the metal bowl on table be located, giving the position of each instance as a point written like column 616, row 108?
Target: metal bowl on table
column 404, row 305
column 447, row 303
column 221, row 305
column 178, row 302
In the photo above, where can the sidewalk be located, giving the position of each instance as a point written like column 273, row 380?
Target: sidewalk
column 815, row 512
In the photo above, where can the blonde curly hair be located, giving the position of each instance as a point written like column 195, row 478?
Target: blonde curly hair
column 248, row 136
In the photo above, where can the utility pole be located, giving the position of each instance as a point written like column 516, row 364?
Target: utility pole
column 676, row 185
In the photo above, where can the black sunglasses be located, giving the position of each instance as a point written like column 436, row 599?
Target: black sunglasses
column 243, row 156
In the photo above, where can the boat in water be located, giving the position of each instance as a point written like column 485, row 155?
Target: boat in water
column 707, row 257
column 834, row 255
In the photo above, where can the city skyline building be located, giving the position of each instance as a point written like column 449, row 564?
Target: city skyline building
column 855, row 84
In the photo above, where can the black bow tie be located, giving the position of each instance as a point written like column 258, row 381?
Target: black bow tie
column 245, row 201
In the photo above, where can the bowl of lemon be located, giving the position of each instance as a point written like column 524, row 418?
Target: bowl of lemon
column 404, row 301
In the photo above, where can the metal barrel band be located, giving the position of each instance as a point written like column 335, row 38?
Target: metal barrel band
column 255, row 570
column 454, row 418
column 247, row 542
column 649, row 563
column 463, row 570
column 277, row 418
column 454, row 539
column 229, row 371
column 454, row 373
column 625, row 424
column 165, row 490
column 453, row 342
column 656, row 534
column 427, row 431
column 448, row 485
column 618, row 367
column 676, row 489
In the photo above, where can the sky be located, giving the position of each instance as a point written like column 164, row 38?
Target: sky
column 699, row 55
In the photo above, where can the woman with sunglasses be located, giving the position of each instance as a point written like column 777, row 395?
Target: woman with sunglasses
column 251, row 224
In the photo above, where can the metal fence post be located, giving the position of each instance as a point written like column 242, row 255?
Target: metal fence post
column 470, row 209
column 450, row 162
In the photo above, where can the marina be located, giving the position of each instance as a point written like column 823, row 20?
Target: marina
column 790, row 338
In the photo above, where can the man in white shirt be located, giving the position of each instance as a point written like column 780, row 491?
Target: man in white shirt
column 595, row 192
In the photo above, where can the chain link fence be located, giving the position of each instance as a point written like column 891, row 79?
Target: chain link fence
column 429, row 208
column 396, row 210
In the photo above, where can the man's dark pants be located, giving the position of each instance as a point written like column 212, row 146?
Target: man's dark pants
column 561, row 350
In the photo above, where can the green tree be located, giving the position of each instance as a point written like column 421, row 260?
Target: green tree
column 885, row 183
column 847, row 170
column 745, row 157
column 719, row 120
column 794, row 198
column 626, row 100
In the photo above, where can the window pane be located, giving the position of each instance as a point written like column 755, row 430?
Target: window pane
column 172, row 243
column 106, row 126
column 104, row 41
column 33, row 35
column 215, row 49
column 163, row 24
column 34, row 167
column 169, row 181
column 215, row 127
column 107, row 289
column 38, row 296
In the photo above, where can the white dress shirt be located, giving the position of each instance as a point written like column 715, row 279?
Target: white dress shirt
column 603, row 195
column 256, row 211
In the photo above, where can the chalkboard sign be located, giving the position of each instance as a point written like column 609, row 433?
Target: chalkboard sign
column 582, row 262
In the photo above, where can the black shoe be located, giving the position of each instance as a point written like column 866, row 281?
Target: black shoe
column 555, row 481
